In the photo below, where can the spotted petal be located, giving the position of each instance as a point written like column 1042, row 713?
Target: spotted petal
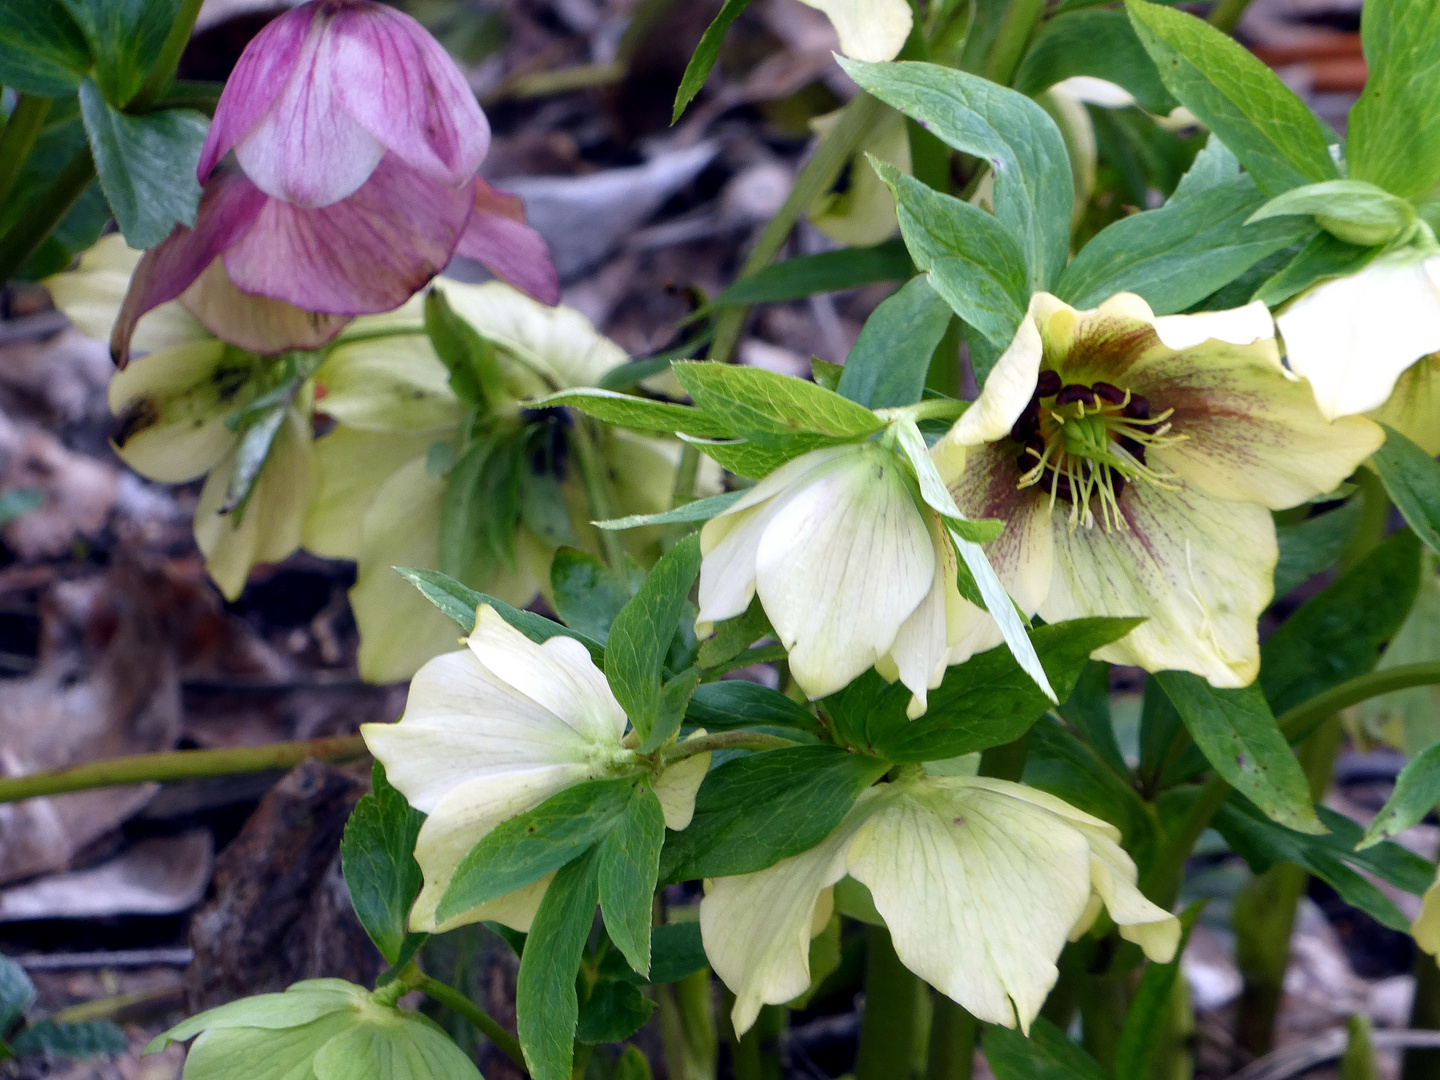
column 392, row 384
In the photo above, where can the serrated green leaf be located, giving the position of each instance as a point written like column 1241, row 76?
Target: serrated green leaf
column 755, row 810
column 826, row 271
column 1236, row 96
column 1100, row 44
column 641, row 634
column 705, row 55
column 1412, row 480
column 124, row 37
column 1034, row 192
column 734, row 636
column 1237, row 733
column 1046, row 1055
column 639, row 413
column 480, row 511
column 699, row 510
column 629, row 864
column 146, row 165
column 538, row 842
column 753, row 461
column 615, row 1010
column 736, row 703
column 1394, row 129
column 1310, row 546
column 770, row 408
column 42, row 51
column 676, row 950
column 475, row 373
column 1087, row 710
column 890, row 359
column 1213, row 166
column 587, row 595
column 377, row 856
column 1417, row 792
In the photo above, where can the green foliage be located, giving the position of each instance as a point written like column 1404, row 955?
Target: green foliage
column 377, row 857
column 1087, row 710
column 705, row 55
column 460, row 602
column 587, row 595
column 719, row 706
column 42, row 51
column 642, row 414
column 890, row 359
column 1417, row 791
column 1099, row 43
column 1310, row 546
column 1350, row 210
column 1046, row 1055
column 676, row 951
column 17, row 993
column 1395, row 126
column 699, row 510
column 481, row 508
column 1145, row 1022
column 87, row 1039
column 475, row 373
column 1066, row 766
column 1412, row 480
column 769, row 408
column 124, row 37
column 629, row 863
column 614, row 1010
column 1323, row 256
column 827, row 271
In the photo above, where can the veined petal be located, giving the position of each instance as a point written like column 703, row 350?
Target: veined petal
column 557, row 675
column 367, row 253
column 256, row 323
column 228, row 209
column 1023, row 554
column 678, row 785
column 497, row 237
column 870, row 30
column 274, row 514
column 842, row 564
column 1236, row 326
column 757, row 927
column 398, row 84
column 392, row 384
column 920, row 654
column 1009, row 386
column 1413, row 409
column 351, row 467
column 304, row 148
column 1199, row 570
column 260, row 74
column 979, row 891
column 1353, row 336
column 1112, row 874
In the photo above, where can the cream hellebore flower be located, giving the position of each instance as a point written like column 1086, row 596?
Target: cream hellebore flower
column 851, row 567
column 980, row 882
column 864, row 213
column 1413, row 407
column 491, row 732
column 1353, row 337
column 1135, row 461
column 870, row 30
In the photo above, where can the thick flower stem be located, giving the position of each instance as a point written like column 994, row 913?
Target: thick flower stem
column 598, row 491
column 685, row 472
column 18, row 139
column 725, row 740
column 1016, row 29
column 687, row 1027
column 41, row 216
column 813, row 181
column 1225, row 15
column 1303, row 719
column 482, row 1021
column 169, row 58
column 179, row 765
column 952, row 1041
column 888, row 1026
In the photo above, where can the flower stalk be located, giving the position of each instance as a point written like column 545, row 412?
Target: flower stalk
column 18, row 139
column 168, row 60
column 478, row 1018
column 40, row 219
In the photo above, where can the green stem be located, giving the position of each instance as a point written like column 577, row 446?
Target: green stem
column 940, row 408
column 1424, row 1015
column 1374, row 518
column 173, row 765
column 18, row 138
column 374, row 335
column 482, row 1021
column 952, row 1041
column 598, row 492
column 761, row 654
column 1225, row 15
column 725, row 740
column 169, row 58
column 887, row 1027
column 1299, row 722
column 685, row 471
column 41, row 216
column 1016, row 29
column 1162, row 881
column 687, row 1027
column 814, row 180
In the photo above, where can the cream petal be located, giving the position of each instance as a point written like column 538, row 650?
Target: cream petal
column 274, row 516
column 1237, row 326
column 389, row 384
column 864, row 213
column 1352, row 337
column 920, row 654
column 257, row 323
column 1112, row 875
column 557, row 675
column 842, row 564
column 1426, row 927
column 352, row 466
column 1413, row 409
column 1023, row 554
column 979, row 891
column 1198, row 569
column 1008, row 388
column 678, row 785
column 871, row 30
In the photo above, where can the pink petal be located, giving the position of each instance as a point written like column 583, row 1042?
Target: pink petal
column 498, row 237
column 263, row 69
column 305, row 148
column 255, row 323
column 403, row 88
column 366, row 254
column 227, row 209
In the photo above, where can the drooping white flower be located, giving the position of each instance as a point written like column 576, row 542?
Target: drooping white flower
column 980, row 882
column 1135, row 461
column 491, row 732
column 871, row 30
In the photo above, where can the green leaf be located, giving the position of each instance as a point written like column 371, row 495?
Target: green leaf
column 827, row 271
column 1322, row 257
column 1145, row 1023
column 526, row 848
column 1161, row 733
column 1087, row 710
column 1262, row 844
column 629, row 864
column 545, row 1003
column 1351, row 210
column 676, row 950
column 1311, row 546
column 891, row 357
column 641, row 634
column 1034, row 192
column 42, row 51
column 642, row 414
column 771, row 408
column 1046, row 1055
column 1237, row 733
column 88, row 1039
column 1059, row 762
column 409, row 1046
column 146, row 165
column 543, row 509
column 986, row 701
column 125, row 38
column 1177, row 255
column 736, row 703
column 1101, row 44
column 753, row 461
column 480, row 510
column 1337, row 634
column 475, row 373
column 17, row 993
column 1394, row 130
column 460, row 603
column 587, row 595
column 615, row 1010
column 734, row 636
column 1412, row 480
column 971, row 259
column 703, row 59
column 1417, row 792
column 1236, row 96
column 632, row 1065
column 699, row 510
column 755, row 810
column 1213, row 166
column 377, row 856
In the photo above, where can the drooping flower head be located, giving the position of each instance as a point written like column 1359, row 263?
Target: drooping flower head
column 871, row 30
column 1135, row 461
column 980, row 882
column 356, row 142
column 493, row 731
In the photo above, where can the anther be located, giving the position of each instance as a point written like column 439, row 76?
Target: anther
column 1132, row 447
column 1138, row 408
column 1048, row 385
column 1073, row 393
column 1109, row 392
column 1028, row 422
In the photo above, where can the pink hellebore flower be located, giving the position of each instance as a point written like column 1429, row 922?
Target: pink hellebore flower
column 357, row 141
